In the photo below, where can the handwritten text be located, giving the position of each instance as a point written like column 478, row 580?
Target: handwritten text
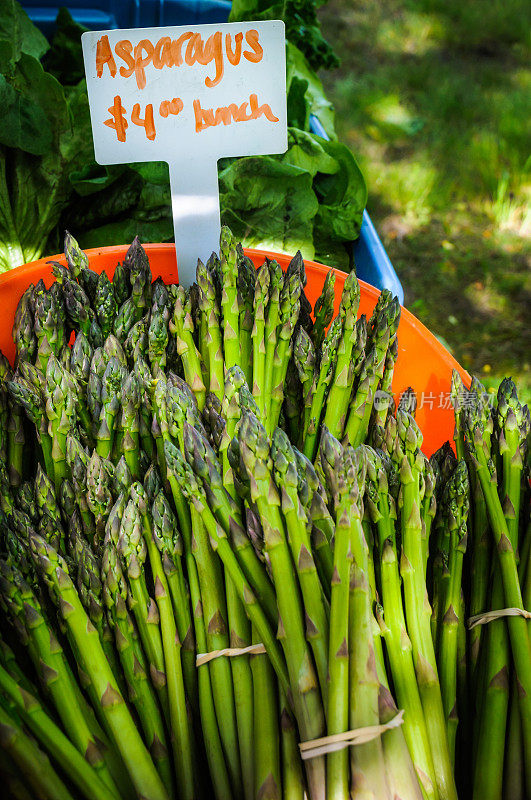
column 189, row 48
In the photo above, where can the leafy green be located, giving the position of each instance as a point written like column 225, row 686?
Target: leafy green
column 302, row 26
column 269, row 204
column 34, row 173
column 18, row 35
column 306, row 94
column 310, row 197
column 64, row 59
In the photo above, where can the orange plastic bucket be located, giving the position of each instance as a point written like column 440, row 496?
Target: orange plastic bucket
column 423, row 363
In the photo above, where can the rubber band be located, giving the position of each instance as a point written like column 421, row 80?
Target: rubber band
column 490, row 616
column 339, row 741
column 253, row 649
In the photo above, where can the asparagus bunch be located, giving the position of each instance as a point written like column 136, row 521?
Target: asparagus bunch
column 193, row 476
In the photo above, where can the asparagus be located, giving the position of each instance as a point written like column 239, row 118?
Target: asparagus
column 288, row 315
column 23, row 331
column 32, row 762
column 337, row 776
column 133, row 551
column 324, row 309
column 322, row 381
column 518, row 634
column 261, row 295
column 315, row 603
column 126, row 736
column 418, row 611
column 229, row 298
column 169, row 541
column 134, row 665
column 181, row 733
column 254, row 448
column 457, row 513
column 272, row 318
column 246, row 284
column 181, row 326
column 341, row 387
column 381, row 505
column 266, row 739
column 76, row 764
column 213, row 335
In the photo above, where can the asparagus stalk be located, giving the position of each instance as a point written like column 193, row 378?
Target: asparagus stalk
column 179, row 725
column 418, row 611
column 266, row 734
column 518, row 634
column 254, row 449
column 126, row 736
column 213, row 336
column 272, row 317
column 261, row 295
column 315, row 604
column 229, row 298
column 457, row 513
column 324, row 309
column 169, row 541
column 245, row 283
column 288, row 315
column 322, row 382
column 31, row 761
column 381, row 506
column 181, row 326
column 341, row 386
column 134, row 665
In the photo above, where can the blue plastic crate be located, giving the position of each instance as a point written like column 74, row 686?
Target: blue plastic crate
column 372, row 262
column 107, row 14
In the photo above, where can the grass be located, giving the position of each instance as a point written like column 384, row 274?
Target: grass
column 433, row 98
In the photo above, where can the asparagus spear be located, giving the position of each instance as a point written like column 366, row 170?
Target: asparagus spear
column 324, row 309
column 418, row 611
column 254, row 449
column 337, row 775
column 181, row 326
column 266, row 739
column 341, row 386
column 246, row 283
column 105, row 304
column 229, row 298
column 321, row 384
column 23, row 331
column 261, row 295
column 134, row 665
column 288, row 315
column 31, row 761
column 179, row 725
column 60, row 414
column 272, row 317
column 133, row 551
column 126, row 736
column 381, row 505
column 457, row 513
column 213, row 336
column 315, row 604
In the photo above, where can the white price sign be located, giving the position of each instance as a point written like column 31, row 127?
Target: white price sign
column 188, row 96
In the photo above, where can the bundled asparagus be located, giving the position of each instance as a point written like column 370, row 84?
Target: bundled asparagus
column 227, row 571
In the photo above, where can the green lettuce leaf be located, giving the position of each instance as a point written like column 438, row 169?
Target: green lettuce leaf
column 269, row 204
column 302, row 26
column 18, row 35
